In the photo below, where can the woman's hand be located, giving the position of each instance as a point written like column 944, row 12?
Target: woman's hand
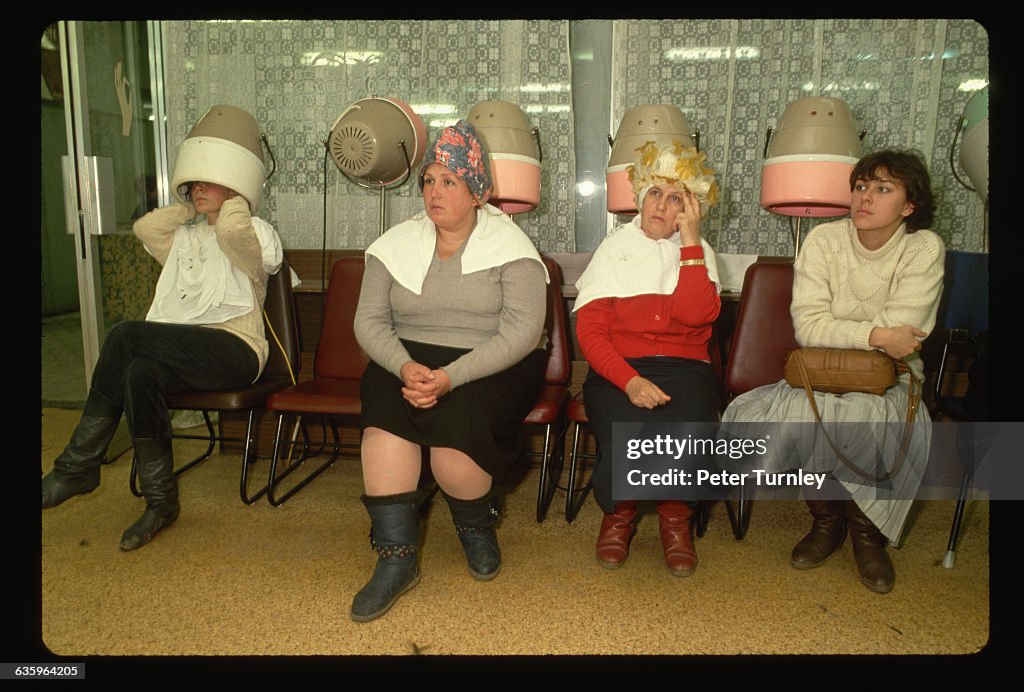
column 419, row 387
column 687, row 222
column 186, row 211
column 423, row 386
column 645, row 394
column 443, row 382
column 897, row 342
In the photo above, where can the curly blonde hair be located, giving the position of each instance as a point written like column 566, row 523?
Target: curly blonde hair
column 670, row 162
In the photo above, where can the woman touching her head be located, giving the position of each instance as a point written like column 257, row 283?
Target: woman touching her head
column 646, row 304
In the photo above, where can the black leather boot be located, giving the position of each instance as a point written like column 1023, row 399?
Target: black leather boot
column 160, row 489
column 474, row 522
column 825, row 537
column 395, row 537
column 873, row 563
column 77, row 470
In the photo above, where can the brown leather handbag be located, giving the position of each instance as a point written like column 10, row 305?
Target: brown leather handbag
column 845, row 370
column 842, row 370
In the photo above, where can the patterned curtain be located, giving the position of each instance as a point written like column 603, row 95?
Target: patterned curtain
column 904, row 79
column 733, row 78
column 296, row 78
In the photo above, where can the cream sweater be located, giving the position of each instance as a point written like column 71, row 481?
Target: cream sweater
column 237, row 239
column 841, row 290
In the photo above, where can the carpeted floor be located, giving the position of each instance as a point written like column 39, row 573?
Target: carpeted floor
column 229, row 580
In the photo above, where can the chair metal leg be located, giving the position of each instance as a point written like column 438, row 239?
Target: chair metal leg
column 211, row 437
column 274, row 480
column 550, row 469
column 949, row 560
column 573, row 504
column 739, row 517
column 702, row 515
column 246, row 461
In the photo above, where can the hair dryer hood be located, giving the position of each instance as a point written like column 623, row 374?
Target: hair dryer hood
column 366, row 141
column 638, row 126
column 223, row 148
column 515, row 154
column 974, row 145
column 809, row 158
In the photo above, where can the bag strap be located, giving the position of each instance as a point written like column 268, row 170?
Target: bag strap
column 913, row 400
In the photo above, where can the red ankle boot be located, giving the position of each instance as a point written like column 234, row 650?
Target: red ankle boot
column 617, row 529
column 674, row 518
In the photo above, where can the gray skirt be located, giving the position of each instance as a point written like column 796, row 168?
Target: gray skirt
column 867, row 428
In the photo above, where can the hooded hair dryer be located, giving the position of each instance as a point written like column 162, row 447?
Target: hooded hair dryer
column 223, row 148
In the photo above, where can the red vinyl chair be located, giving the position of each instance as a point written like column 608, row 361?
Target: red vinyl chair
column 282, row 370
column 333, row 392
column 757, row 354
column 549, row 410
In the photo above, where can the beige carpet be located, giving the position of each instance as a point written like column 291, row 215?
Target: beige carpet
column 228, row 579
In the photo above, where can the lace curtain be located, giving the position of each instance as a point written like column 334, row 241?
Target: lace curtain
column 296, row 78
column 733, row 78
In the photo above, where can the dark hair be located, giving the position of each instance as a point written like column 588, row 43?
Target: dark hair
column 909, row 168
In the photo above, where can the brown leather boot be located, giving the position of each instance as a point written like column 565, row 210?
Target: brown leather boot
column 617, row 529
column 873, row 563
column 825, row 537
column 674, row 519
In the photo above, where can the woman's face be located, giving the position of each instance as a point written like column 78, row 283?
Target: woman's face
column 879, row 204
column 207, row 198
column 658, row 215
column 447, row 199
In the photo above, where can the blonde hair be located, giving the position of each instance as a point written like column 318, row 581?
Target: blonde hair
column 669, row 162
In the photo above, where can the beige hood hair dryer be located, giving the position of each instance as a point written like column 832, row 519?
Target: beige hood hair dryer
column 223, row 148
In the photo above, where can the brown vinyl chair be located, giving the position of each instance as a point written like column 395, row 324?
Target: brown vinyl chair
column 333, row 392
column 550, row 407
column 757, row 354
column 282, row 370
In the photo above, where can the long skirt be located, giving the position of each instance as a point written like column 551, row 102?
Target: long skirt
column 867, row 428
column 481, row 418
column 695, row 399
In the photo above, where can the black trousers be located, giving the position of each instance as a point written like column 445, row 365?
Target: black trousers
column 695, row 399
column 141, row 363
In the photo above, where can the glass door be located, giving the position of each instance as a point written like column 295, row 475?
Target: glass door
column 103, row 158
column 113, row 169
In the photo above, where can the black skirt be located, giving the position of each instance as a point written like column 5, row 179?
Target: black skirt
column 481, row 418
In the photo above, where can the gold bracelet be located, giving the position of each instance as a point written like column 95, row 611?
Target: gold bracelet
column 691, row 263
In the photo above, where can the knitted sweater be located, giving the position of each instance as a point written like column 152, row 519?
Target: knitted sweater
column 237, row 239
column 841, row 290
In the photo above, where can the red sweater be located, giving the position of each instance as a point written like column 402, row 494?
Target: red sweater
column 678, row 324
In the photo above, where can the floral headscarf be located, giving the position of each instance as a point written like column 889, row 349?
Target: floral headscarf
column 668, row 162
column 460, row 150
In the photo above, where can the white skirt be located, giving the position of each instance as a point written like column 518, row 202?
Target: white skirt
column 868, row 429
